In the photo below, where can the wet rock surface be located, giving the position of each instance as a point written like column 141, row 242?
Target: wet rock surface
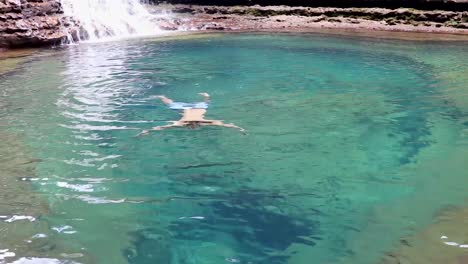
column 24, row 229
column 286, row 18
column 32, row 23
column 454, row 5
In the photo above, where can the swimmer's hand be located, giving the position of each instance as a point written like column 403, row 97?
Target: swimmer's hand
column 231, row 125
column 146, row 132
column 204, row 94
column 143, row 133
column 243, row 131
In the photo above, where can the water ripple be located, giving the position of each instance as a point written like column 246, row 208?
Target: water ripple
column 77, row 187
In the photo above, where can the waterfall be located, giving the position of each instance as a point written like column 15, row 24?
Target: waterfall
column 110, row 19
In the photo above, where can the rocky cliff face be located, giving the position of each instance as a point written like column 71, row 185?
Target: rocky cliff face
column 453, row 5
column 32, row 23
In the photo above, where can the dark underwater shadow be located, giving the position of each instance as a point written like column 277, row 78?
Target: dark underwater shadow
column 252, row 223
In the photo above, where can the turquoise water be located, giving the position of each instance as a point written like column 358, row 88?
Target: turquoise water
column 351, row 144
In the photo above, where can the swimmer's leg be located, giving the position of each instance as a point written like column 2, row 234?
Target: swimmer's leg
column 165, row 100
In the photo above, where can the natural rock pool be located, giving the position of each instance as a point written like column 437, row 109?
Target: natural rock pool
column 355, row 149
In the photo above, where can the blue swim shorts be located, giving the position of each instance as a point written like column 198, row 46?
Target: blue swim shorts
column 183, row 106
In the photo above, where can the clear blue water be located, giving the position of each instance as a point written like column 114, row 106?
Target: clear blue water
column 351, row 144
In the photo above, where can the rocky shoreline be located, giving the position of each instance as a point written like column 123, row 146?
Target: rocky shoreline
column 31, row 23
column 285, row 18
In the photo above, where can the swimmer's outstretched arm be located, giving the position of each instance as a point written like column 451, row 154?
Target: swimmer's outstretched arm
column 231, row 125
column 146, row 132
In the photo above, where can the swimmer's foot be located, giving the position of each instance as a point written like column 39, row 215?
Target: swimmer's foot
column 164, row 99
column 206, row 96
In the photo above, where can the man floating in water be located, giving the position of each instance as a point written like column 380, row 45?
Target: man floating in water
column 193, row 115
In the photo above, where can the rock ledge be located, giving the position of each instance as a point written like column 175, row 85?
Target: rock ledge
column 32, row 23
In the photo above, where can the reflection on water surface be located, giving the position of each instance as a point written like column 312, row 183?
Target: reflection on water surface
column 352, row 146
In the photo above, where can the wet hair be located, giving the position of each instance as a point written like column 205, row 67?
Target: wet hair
column 193, row 125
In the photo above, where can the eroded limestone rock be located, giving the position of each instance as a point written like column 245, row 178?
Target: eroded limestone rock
column 32, row 23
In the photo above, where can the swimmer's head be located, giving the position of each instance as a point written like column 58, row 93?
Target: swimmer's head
column 193, row 125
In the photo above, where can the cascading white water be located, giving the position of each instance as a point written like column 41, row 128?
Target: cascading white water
column 106, row 19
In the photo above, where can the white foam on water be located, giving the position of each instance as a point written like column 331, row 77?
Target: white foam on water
column 192, row 217
column 102, row 20
column 40, row 261
column 77, row 187
column 39, row 236
column 90, row 162
column 98, row 200
column 103, row 166
column 90, row 118
column 19, row 218
column 63, row 229
column 96, row 128
column 5, row 253
column 451, row 243
column 96, row 180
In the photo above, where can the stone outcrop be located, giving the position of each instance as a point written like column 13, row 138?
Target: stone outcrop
column 29, row 23
column 453, row 5
column 32, row 23
column 303, row 19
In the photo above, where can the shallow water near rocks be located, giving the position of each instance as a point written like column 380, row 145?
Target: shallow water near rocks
column 351, row 145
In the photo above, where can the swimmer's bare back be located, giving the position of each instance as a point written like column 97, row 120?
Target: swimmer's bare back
column 191, row 117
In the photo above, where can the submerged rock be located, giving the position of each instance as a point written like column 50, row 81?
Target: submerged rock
column 32, row 23
column 24, row 232
column 444, row 241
